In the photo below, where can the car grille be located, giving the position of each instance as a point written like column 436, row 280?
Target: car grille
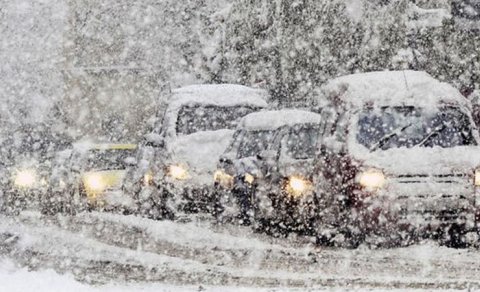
column 438, row 178
column 444, row 197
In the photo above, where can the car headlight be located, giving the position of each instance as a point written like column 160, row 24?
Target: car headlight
column 372, row 179
column 94, row 183
column 26, row 178
column 223, row 179
column 298, row 186
column 178, row 172
column 148, row 178
column 477, row 177
column 249, row 178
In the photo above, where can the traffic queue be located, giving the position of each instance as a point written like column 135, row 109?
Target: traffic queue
column 392, row 155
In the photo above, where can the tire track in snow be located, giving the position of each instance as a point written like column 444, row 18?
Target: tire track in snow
column 260, row 263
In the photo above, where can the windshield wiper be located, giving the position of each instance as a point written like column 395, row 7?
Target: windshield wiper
column 387, row 137
column 435, row 131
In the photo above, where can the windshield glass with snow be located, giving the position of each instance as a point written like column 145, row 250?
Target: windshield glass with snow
column 301, row 142
column 396, row 127
column 253, row 142
column 192, row 119
column 108, row 159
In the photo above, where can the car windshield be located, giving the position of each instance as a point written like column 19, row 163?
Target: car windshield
column 254, row 142
column 108, row 159
column 301, row 142
column 396, row 127
column 192, row 119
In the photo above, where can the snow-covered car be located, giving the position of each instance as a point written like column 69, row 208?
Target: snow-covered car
column 89, row 176
column 403, row 160
column 26, row 167
column 178, row 158
column 266, row 172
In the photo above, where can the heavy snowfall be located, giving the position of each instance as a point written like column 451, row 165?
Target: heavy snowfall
column 215, row 145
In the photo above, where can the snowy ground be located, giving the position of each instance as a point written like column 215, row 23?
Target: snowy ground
column 106, row 252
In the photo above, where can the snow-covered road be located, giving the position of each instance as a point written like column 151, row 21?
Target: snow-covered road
column 100, row 249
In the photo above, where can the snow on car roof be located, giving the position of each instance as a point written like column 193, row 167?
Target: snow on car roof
column 87, row 146
column 265, row 120
column 391, row 88
column 219, row 94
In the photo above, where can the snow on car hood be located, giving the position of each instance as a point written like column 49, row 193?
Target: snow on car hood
column 200, row 151
column 422, row 160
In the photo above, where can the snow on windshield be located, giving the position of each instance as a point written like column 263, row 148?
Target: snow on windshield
column 396, row 127
column 252, row 143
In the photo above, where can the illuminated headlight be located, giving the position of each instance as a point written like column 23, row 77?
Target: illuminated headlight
column 94, row 183
column 477, row 177
column 223, row 179
column 371, row 179
column 297, row 186
column 148, row 179
column 26, row 178
column 249, row 178
column 178, row 172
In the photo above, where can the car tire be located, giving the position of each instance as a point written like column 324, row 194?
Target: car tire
column 454, row 236
column 156, row 206
column 58, row 204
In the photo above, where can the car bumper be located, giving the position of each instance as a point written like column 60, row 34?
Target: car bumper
column 417, row 207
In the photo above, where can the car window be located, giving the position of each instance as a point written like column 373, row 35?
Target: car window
column 192, row 119
column 396, row 127
column 254, row 142
column 301, row 142
column 108, row 159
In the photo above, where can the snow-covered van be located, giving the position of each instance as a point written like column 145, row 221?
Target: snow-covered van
column 179, row 156
column 402, row 159
column 268, row 166
column 90, row 176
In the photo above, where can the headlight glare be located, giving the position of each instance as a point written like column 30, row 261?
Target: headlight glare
column 223, row 179
column 477, row 177
column 26, row 178
column 148, row 179
column 249, row 178
column 178, row 172
column 298, row 186
column 372, row 179
column 94, row 183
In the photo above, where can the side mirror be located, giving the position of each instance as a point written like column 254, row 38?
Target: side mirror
column 154, row 140
column 333, row 145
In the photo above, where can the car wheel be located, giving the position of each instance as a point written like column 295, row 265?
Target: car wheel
column 155, row 203
column 58, row 203
column 454, row 236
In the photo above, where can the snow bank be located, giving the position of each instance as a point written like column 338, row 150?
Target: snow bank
column 267, row 120
column 14, row 279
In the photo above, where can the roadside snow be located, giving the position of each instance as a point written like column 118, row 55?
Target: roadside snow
column 15, row 279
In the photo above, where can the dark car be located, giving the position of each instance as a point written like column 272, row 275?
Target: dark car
column 268, row 167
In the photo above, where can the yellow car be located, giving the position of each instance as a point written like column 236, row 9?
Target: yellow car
column 90, row 176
